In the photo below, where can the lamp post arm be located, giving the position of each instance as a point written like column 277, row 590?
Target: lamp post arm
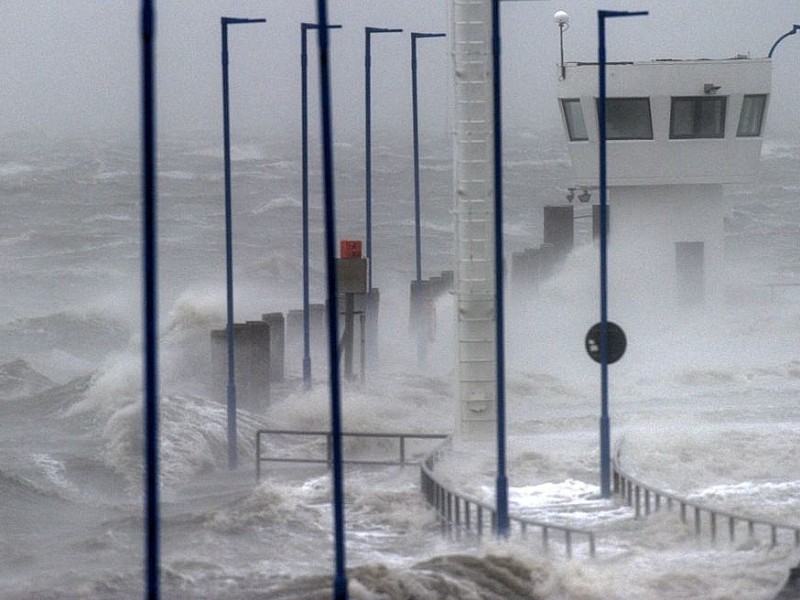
column 794, row 30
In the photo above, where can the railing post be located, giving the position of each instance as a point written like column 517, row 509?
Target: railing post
column 480, row 520
column 637, row 493
column 568, row 541
column 773, row 536
column 402, row 451
column 732, row 528
column 545, row 539
column 683, row 513
column 647, row 502
column 467, row 515
column 592, row 547
column 751, row 529
column 797, row 537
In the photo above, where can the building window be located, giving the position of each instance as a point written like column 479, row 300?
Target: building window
column 628, row 119
column 752, row 115
column 698, row 117
column 576, row 126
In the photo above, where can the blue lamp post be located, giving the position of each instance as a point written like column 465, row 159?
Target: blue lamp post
column 337, row 462
column 304, row 27
column 415, row 126
column 501, row 486
column 605, row 427
column 783, row 37
column 233, row 458
column 150, row 297
column 501, row 489
column 368, row 31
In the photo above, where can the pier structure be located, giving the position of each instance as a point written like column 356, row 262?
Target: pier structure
column 677, row 131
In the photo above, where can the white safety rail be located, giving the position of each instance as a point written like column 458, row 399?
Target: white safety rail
column 471, row 40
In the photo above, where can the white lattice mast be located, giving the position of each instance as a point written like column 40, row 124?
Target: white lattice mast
column 474, row 216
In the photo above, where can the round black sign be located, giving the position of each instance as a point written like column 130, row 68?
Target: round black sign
column 616, row 342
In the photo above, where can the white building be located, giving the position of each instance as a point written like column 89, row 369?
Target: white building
column 677, row 131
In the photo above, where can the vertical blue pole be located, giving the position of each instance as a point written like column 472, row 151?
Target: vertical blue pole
column 233, row 454
column 233, row 457
column 368, row 31
column 501, row 494
column 304, row 27
column 150, row 299
column 415, row 132
column 340, row 576
column 605, row 424
column 605, row 434
column 368, row 149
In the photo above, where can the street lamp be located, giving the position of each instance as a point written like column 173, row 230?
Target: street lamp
column 304, row 27
column 605, row 428
column 415, row 126
column 368, row 31
column 233, row 458
column 501, row 488
column 150, row 297
column 337, row 458
column 562, row 19
column 780, row 39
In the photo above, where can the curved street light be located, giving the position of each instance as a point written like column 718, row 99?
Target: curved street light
column 605, row 428
column 783, row 37
column 304, row 27
column 368, row 31
column 415, row 133
column 233, row 457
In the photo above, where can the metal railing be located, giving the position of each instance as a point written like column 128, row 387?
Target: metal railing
column 402, row 460
column 458, row 513
column 646, row 499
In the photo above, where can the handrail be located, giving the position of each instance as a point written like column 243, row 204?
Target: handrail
column 401, row 437
column 639, row 495
column 449, row 504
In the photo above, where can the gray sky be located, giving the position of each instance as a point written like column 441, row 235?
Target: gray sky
column 73, row 65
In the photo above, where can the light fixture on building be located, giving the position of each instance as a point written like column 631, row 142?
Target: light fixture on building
column 581, row 193
column 710, row 88
column 562, row 20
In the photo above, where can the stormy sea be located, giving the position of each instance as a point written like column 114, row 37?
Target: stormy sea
column 704, row 403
